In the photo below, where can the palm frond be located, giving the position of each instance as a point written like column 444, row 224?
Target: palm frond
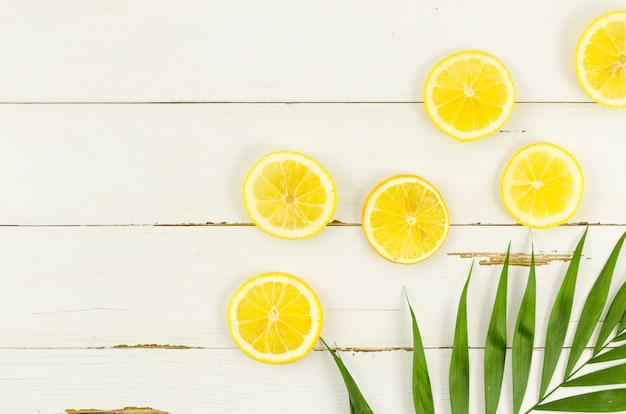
column 422, row 392
column 559, row 319
column 524, row 339
column 495, row 345
column 459, row 364
column 606, row 401
column 358, row 404
column 592, row 309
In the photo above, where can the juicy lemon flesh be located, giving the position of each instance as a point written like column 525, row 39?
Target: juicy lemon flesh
column 542, row 185
column 604, row 60
column 274, row 318
column 408, row 221
column 289, row 195
column 470, row 94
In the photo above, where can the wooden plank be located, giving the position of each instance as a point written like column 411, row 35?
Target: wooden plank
column 80, row 287
column 278, row 50
column 211, row 380
column 146, row 164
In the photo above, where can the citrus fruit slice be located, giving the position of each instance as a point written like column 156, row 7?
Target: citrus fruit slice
column 469, row 95
column 405, row 219
column 542, row 185
column 275, row 318
column 601, row 59
column 289, row 195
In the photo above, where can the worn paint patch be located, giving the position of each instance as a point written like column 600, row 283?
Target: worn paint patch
column 515, row 259
column 166, row 346
column 386, row 349
column 127, row 410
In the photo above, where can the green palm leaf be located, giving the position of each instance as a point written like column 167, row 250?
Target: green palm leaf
column 613, row 318
column 612, row 355
column 559, row 319
column 524, row 338
column 495, row 346
column 358, row 404
column 592, row 309
column 607, row 376
column 459, row 365
column 607, row 401
column 622, row 324
column 621, row 337
column 422, row 392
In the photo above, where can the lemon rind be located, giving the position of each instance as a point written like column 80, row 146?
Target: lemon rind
column 317, row 318
column 431, row 110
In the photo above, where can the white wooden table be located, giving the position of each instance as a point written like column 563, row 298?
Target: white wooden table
column 126, row 129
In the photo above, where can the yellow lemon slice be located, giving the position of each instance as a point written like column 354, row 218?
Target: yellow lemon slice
column 289, row 195
column 469, row 95
column 601, row 59
column 542, row 185
column 275, row 318
column 405, row 219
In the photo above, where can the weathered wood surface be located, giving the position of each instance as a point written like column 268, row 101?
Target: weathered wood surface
column 279, row 50
column 127, row 129
column 173, row 164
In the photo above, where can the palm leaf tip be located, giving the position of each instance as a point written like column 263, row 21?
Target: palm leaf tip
column 459, row 365
column 422, row 391
column 358, row 404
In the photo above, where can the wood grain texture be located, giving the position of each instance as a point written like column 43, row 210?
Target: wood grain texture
column 172, row 164
column 90, row 287
column 226, row 381
column 126, row 130
column 278, row 50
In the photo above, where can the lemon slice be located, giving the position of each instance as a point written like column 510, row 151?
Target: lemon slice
column 469, row 95
column 542, row 185
column 275, row 318
column 405, row 219
column 289, row 195
column 601, row 59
